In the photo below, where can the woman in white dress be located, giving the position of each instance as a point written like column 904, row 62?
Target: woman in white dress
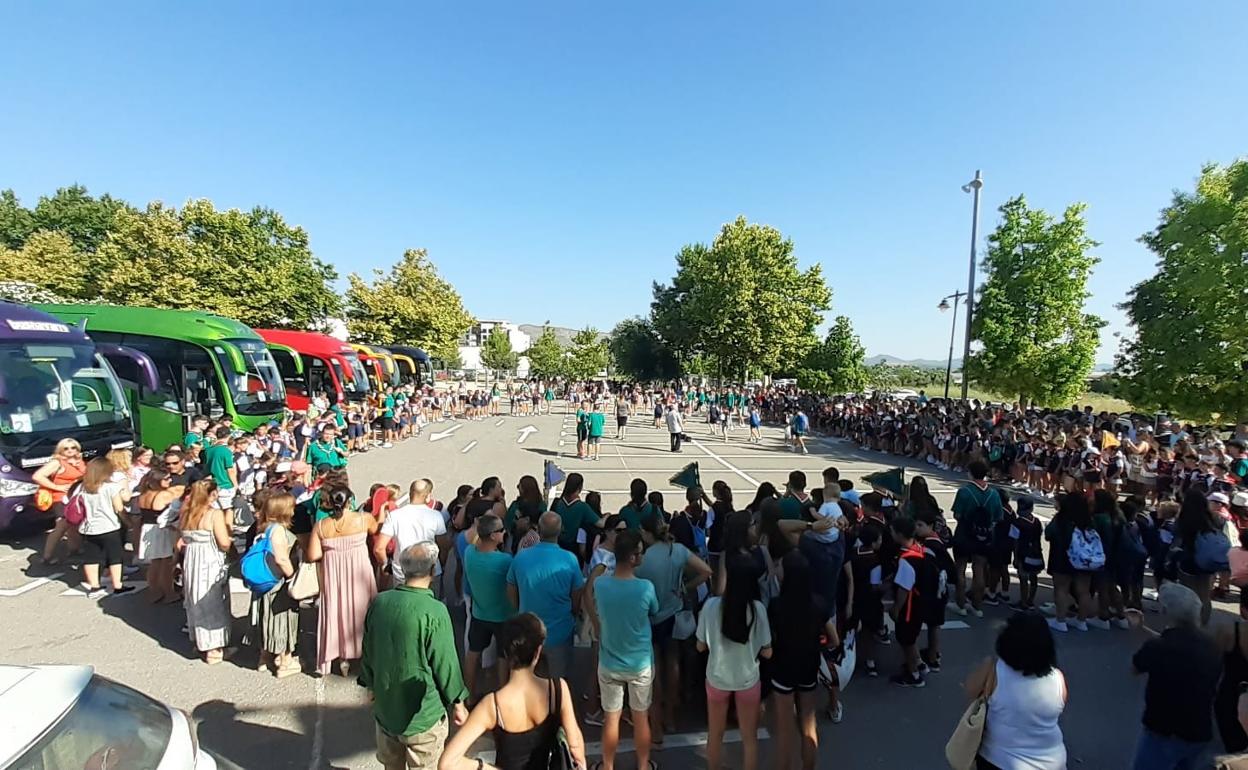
column 205, row 542
column 1026, row 695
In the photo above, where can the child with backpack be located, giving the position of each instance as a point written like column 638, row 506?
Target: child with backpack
column 935, row 549
column 1132, row 553
column 866, row 608
column 1028, row 554
column 916, row 584
column 1002, row 549
column 1075, row 554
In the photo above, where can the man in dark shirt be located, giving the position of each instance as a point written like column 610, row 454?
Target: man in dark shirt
column 1183, row 666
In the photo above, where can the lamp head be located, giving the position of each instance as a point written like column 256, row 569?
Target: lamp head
column 944, row 305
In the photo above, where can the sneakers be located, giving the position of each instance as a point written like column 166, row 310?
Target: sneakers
column 1122, row 623
column 872, row 669
column 882, row 636
column 905, row 679
column 959, row 610
column 132, row 569
column 977, row 612
column 387, row 445
column 932, row 664
column 1079, row 625
column 1103, row 625
column 123, row 590
column 991, row 601
column 1058, row 625
column 92, row 593
column 837, row 714
column 594, row 718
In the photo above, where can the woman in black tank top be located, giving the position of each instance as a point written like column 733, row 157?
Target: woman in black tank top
column 525, row 714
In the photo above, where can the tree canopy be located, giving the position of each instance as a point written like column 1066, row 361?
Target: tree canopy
column 1036, row 339
column 587, row 356
column 497, row 353
column 410, row 305
column 639, row 353
column 835, row 365
column 1190, row 350
column 545, row 355
column 743, row 301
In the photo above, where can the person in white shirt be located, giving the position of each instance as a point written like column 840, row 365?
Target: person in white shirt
column 674, row 426
column 103, row 504
column 414, row 523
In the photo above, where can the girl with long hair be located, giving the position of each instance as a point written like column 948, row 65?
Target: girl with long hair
column 101, row 529
column 348, row 583
column 1193, row 521
column 55, row 479
column 275, row 615
column 638, row 507
column 158, row 535
column 521, row 519
column 1069, row 584
column 205, row 541
column 733, row 628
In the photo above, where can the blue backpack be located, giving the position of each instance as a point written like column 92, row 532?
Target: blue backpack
column 259, row 566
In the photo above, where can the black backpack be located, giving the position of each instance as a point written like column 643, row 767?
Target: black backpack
column 981, row 518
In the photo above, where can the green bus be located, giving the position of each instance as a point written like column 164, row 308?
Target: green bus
column 205, row 364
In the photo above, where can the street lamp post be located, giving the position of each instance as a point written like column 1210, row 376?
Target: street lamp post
column 953, row 330
column 972, row 186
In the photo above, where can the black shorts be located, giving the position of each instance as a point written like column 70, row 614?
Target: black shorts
column 788, row 677
column 105, row 549
column 620, row 422
column 661, row 633
column 1092, row 477
column 869, row 613
column 581, row 434
column 387, row 423
column 481, row 633
column 907, row 631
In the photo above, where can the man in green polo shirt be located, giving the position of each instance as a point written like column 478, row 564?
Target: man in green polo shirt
column 410, row 666
column 597, row 421
column 218, row 461
column 796, row 505
column 387, row 418
column 327, row 450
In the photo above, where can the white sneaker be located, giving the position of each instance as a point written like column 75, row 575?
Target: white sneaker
column 1058, row 625
column 978, row 613
column 1122, row 623
column 960, row 610
column 1079, row 625
column 1097, row 623
column 387, row 445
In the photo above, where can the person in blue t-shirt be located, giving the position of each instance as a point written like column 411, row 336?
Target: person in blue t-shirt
column 800, row 426
column 547, row 581
column 485, row 572
column 626, row 604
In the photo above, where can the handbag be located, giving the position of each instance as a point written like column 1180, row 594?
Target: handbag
column 963, row 745
column 560, row 753
column 305, row 584
column 685, row 625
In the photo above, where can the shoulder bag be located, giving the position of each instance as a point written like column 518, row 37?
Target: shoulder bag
column 963, row 745
column 306, row 583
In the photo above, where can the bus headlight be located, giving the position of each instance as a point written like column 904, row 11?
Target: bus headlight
column 15, row 488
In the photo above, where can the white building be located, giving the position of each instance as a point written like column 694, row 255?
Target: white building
column 474, row 338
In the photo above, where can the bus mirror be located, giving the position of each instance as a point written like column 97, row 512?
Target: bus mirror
column 234, row 354
column 142, row 361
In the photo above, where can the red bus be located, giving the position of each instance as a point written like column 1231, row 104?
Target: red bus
column 326, row 365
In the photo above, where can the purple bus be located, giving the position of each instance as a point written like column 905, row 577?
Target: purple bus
column 55, row 383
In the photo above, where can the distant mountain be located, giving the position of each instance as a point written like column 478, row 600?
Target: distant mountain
column 921, row 363
column 562, row 333
column 929, row 363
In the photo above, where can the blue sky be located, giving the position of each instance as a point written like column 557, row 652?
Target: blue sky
column 554, row 156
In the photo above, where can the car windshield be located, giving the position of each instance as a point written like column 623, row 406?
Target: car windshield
column 259, row 389
column 53, row 389
column 110, row 727
column 359, row 377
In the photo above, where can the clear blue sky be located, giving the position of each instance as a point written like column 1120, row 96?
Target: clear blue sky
column 554, row 156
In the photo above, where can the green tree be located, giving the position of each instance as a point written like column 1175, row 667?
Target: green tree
column 46, row 260
column 835, row 365
column 881, row 376
column 248, row 265
column 497, row 353
column 639, row 353
column 16, row 221
column 587, row 356
column 545, row 355
column 743, row 300
column 1190, row 350
column 86, row 220
column 1036, row 339
column 411, row 305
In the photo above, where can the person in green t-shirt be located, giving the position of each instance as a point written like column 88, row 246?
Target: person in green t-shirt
column 796, row 505
column 387, row 418
column 597, row 421
column 638, row 507
column 582, row 429
column 574, row 513
column 327, row 450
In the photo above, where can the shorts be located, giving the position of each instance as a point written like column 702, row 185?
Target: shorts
column 749, row 696
column 422, row 750
column 620, row 422
column 661, row 633
column 907, row 631
column 581, row 434
column 869, row 613
column 105, row 549
column 481, row 633
column 799, row 433
column 355, row 430
column 595, row 440
column 225, row 498
column 640, row 686
column 387, row 423
column 1092, row 477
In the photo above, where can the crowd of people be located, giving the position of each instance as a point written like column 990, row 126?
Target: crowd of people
column 704, row 604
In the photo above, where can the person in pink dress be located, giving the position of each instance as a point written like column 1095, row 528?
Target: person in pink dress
column 348, row 581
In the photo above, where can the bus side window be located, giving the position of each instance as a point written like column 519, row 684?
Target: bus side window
column 200, row 384
column 318, row 376
column 295, row 383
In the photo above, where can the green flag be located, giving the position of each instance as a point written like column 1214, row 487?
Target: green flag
column 688, row 477
column 892, row 482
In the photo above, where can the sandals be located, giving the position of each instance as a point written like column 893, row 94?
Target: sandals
column 281, row 672
column 213, row 657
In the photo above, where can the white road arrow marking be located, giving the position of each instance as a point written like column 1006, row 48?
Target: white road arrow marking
column 443, row 434
column 525, row 432
column 32, row 585
column 468, row 448
column 499, row 422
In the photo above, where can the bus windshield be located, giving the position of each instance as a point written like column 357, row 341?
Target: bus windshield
column 259, row 389
column 55, row 388
column 358, row 383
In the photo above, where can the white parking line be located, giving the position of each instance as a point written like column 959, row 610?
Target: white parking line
column 468, row 448
column 725, row 463
column 32, row 585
